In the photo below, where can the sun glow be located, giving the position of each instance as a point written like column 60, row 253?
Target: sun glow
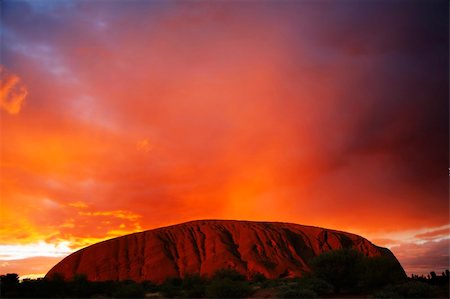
column 42, row 249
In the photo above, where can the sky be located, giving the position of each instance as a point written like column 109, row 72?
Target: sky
column 122, row 116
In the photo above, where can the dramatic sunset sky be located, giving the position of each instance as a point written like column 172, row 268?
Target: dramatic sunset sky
column 118, row 117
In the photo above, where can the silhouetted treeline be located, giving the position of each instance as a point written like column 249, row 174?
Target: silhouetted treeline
column 333, row 273
column 433, row 278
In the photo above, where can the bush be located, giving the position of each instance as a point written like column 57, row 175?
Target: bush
column 380, row 271
column 9, row 285
column 416, row 289
column 317, row 285
column 194, row 286
column 80, row 286
column 149, row 286
column 341, row 268
column 195, row 291
column 129, row 290
column 270, row 283
column 259, row 277
column 412, row 289
column 171, row 287
column 297, row 292
column 227, row 288
column 55, row 286
column 350, row 270
column 386, row 293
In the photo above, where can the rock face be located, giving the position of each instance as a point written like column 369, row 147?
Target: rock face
column 272, row 248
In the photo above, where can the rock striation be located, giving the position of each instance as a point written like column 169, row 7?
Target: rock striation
column 274, row 249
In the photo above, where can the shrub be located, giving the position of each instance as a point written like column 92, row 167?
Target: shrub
column 9, row 285
column 269, row 283
column 416, row 289
column 80, row 286
column 341, row 268
column 149, row 286
column 194, row 286
column 380, row 271
column 412, row 289
column 129, row 290
column 55, row 286
column 386, row 293
column 297, row 292
column 259, row 277
column 171, row 287
column 317, row 285
column 227, row 288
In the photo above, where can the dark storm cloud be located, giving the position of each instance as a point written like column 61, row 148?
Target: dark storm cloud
column 408, row 118
column 400, row 98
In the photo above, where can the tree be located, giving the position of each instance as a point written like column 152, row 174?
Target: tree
column 380, row 271
column 8, row 284
column 10, row 278
column 341, row 268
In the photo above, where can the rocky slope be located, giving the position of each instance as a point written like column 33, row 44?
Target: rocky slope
column 272, row 248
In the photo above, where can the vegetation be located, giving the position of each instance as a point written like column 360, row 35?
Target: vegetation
column 227, row 288
column 341, row 268
column 350, row 271
column 411, row 289
column 334, row 274
column 297, row 293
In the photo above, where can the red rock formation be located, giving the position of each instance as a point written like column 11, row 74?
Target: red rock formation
column 205, row 246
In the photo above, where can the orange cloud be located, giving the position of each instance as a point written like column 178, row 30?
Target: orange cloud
column 12, row 92
column 118, row 214
column 144, row 145
column 78, row 204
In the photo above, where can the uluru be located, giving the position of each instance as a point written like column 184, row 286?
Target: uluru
column 274, row 249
